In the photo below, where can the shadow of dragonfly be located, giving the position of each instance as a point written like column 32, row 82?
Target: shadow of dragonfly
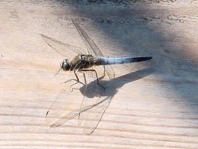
column 91, row 111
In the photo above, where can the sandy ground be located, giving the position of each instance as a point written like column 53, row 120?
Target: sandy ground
column 154, row 104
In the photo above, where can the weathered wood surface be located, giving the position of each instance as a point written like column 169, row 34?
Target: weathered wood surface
column 155, row 103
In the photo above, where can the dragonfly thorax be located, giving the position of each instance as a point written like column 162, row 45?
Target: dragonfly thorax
column 65, row 65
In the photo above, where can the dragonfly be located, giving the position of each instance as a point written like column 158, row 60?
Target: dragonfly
column 91, row 110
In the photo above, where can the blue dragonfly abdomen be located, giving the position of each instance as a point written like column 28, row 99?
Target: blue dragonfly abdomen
column 121, row 60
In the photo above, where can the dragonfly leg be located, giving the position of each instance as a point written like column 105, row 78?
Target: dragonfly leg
column 77, row 81
column 76, row 69
column 76, row 76
column 104, row 71
column 69, row 81
column 96, row 77
column 84, row 77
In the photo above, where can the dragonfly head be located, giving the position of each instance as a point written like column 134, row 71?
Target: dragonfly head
column 65, row 65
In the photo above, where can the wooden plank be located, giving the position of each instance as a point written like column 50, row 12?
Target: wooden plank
column 155, row 103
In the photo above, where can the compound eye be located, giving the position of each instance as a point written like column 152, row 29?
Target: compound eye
column 65, row 65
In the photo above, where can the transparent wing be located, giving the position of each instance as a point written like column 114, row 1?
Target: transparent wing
column 65, row 102
column 91, row 110
column 93, row 49
column 95, row 114
column 97, row 100
column 60, row 47
column 101, row 106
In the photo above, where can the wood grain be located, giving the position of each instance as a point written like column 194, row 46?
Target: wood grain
column 155, row 103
